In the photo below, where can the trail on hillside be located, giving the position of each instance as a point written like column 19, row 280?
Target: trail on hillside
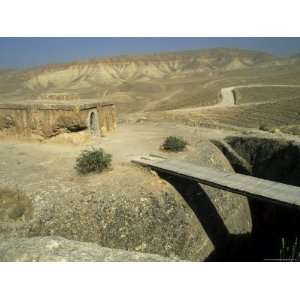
column 228, row 98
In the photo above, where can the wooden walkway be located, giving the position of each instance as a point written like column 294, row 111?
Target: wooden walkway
column 233, row 182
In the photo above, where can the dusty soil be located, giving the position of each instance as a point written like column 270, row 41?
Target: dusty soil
column 32, row 165
column 126, row 142
column 276, row 115
column 126, row 207
column 36, row 167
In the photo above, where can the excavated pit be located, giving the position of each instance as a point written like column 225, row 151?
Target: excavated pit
column 276, row 160
column 224, row 217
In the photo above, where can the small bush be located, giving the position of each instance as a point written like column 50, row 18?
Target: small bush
column 95, row 160
column 14, row 205
column 290, row 252
column 173, row 143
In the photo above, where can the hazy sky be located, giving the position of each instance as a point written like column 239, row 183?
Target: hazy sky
column 26, row 52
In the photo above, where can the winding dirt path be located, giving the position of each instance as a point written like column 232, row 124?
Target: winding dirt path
column 228, row 98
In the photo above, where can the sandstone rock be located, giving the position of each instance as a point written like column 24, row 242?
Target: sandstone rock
column 129, row 208
column 44, row 249
column 14, row 205
column 225, row 217
column 75, row 138
column 133, row 209
column 71, row 123
column 6, row 122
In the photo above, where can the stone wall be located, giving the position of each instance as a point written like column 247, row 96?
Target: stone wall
column 107, row 118
column 51, row 122
column 59, row 96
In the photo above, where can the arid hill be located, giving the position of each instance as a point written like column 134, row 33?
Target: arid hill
column 147, row 82
column 131, row 208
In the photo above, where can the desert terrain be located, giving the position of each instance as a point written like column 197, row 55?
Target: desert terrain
column 238, row 111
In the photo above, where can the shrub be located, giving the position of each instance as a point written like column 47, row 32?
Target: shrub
column 14, row 204
column 173, row 143
column 94, row 160
column 290, row 252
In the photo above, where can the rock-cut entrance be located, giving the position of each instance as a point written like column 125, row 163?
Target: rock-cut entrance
column 93, row 123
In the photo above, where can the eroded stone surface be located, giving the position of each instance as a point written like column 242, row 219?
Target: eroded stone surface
column 45, row 249
column 127, row 207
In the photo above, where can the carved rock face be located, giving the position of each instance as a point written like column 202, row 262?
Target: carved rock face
column 71, row 123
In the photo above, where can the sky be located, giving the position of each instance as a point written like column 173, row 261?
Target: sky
column 27, row 52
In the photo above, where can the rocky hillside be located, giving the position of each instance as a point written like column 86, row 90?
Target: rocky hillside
column 124, row 68
column 158, row 81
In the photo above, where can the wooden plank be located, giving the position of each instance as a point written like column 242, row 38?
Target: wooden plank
column 233, row 182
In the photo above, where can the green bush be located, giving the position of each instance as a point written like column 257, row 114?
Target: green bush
column 95, row 160
column 174, row 143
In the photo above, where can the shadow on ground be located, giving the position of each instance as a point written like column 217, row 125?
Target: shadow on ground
column 271, row 222
column 228, row 247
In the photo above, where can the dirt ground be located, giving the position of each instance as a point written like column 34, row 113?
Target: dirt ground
column 127, row 141
column 97, row 207
column 34, row 165
column 43, row 169
column 76, row 207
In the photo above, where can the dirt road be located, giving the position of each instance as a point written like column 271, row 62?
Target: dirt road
column 227, row 94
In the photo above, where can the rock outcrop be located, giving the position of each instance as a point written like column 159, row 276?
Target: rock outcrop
column 132, row 208
column 225, row 218
column 126, row 208
column 57, row 249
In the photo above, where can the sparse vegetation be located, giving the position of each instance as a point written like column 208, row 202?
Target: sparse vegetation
column 129, row 202
column 266, row 93
column 14, row 204
column 290, row 253
column 94, row 160
column 244, row 116
column 174, row 143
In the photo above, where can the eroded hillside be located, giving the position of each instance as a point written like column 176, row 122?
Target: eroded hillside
column 148, row 82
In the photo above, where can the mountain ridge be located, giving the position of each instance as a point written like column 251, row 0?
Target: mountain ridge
column 146, row 56
column 154, row 81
